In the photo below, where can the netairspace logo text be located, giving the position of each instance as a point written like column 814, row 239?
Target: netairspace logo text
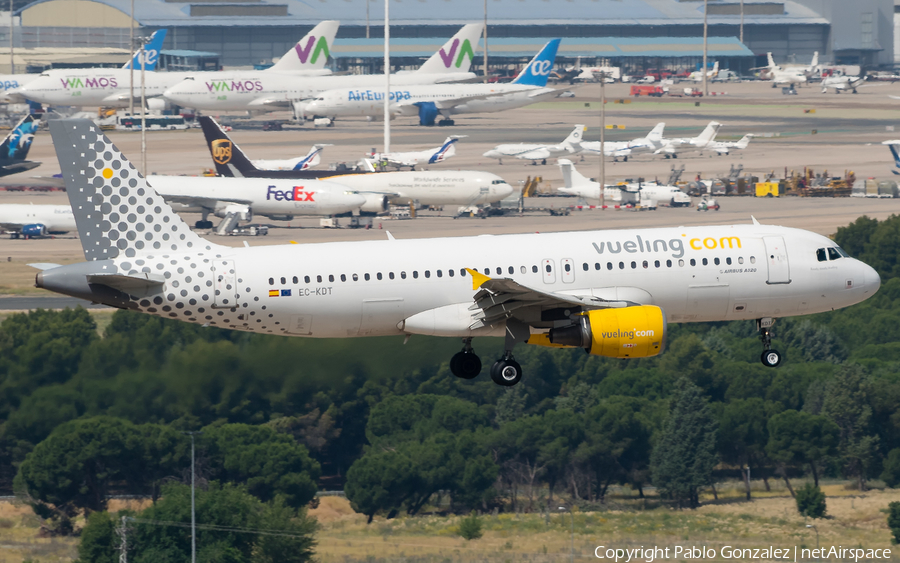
column 771, row 553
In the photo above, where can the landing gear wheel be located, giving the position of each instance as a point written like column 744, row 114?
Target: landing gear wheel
column 465, row 365
column 506, row 372
column 771, row 358
column 446, row 122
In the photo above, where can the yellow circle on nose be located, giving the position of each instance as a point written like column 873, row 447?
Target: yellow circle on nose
column 107, row 173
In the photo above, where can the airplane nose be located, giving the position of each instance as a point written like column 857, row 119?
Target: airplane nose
column 872, row 279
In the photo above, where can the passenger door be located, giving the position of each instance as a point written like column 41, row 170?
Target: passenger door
column 777, row 260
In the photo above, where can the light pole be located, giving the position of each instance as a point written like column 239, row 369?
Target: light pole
column 602, row 139
column 387, row 76
column 12, row 60
column 193, row 506
column 143, row 111
column 705, row 30
column 131, row 66
column 485, row 44
column 572, row 514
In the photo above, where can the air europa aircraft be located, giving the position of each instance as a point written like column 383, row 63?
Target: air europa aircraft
column 609, row 292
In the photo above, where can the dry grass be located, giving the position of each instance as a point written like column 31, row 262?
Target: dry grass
column 853, row 520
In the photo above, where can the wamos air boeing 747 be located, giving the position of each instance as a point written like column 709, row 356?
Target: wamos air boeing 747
column 609, row 292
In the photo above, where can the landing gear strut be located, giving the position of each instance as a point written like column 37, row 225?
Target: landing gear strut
column 465, row 364
column 769, row 358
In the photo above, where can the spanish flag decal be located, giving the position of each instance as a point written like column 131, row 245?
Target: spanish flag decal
column 273, row 293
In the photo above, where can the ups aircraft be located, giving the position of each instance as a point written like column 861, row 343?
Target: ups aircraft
column 609, row 292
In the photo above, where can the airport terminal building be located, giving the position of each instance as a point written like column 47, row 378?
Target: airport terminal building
column 636, row 33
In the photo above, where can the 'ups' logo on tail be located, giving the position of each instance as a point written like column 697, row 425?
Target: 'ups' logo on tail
column 221, row 151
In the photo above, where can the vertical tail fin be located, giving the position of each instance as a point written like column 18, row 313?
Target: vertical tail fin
column 571, row 177
column 772, row 64
column 744, row 142
column 715, row 69
column 575, row 137
column 117, row 213
column 151, row 52
column 312, row 158
column 893, row 146
column 656, row 134
column 709, row 134
column 538, row 70
column 446, row 150
column 311, row 52
column 456, row 54
column 15, row 146
column 227, row 156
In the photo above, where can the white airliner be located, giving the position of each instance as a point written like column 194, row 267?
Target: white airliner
column 276, row 91
column 28, row 221
column 110, row 86
column 413, row 158
column 671, row 148
column 697, row 75
column 429, row 101
column 312, row 158
column 725, row 147
column 533, row 152
column 246, row 197
column 626, row 149
column 644, row 193
column 839, row 83
column 610, row 292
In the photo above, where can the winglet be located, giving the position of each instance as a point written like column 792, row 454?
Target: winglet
column 755, row 222
column 389, row 235
column 477, row 279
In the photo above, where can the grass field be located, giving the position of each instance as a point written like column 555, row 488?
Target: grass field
column 854, row 520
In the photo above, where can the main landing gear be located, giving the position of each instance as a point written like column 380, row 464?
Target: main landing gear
column 506, row 371
column 769, row 358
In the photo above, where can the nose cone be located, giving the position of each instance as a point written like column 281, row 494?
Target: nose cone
column 504, row 190
column 872, row 280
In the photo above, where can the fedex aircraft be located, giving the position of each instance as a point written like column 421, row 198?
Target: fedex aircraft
column 110, row 87
column 413, row 158
column 609, row 292
column 312, row 158
column 26, row 220
column 429, row 101
column 14, row 148
column 276, row 91
column 576, row 184
column 524, row 151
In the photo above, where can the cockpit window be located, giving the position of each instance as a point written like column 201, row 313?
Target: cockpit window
column 498, row 182
column 842, row 252
column 820, row 255
column 833, row 254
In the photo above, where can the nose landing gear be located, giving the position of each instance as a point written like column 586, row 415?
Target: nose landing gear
column 769, row 358
column 465, row 364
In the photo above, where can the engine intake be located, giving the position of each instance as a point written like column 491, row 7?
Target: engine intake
column 34, row 230
column 630, row 332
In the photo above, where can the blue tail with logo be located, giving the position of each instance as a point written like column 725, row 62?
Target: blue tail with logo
column 538, row 70
column 893, row 147
column 151, row 52
column 15, row 146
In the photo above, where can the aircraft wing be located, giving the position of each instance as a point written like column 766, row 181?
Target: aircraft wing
column 453, row 102
column 18, row 166
column 205, row 202
column 535, row 154
column 501, row 298
column 270, row 103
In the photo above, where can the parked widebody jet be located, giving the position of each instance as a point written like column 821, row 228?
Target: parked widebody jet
column 644, row 193
column 459, row 187
column 14, row 148
column 429, row 101
column 413, row 158
column 535, row 152
column 277, row 92
column 28, row 221
column 609, row 292
column 110, row 87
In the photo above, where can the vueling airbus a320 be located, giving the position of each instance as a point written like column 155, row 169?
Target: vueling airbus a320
column 609, row 292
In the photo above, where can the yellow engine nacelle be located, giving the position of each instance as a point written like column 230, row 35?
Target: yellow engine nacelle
column 630, row 332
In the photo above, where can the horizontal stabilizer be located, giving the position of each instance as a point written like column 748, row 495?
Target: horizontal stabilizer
column 141, row 285
column 43, row 265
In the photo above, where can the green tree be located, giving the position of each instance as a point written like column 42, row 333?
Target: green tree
column 811, row 501
column 847, row 403
column 801, row 438
column 98, row 540
column 743, row 435
column 470, row 527
column 891, row 473
column 268, row 463
column 685, row 453
column 893, row 521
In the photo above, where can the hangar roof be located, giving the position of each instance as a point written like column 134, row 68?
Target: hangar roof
column 163, row 13
column 611, row 47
